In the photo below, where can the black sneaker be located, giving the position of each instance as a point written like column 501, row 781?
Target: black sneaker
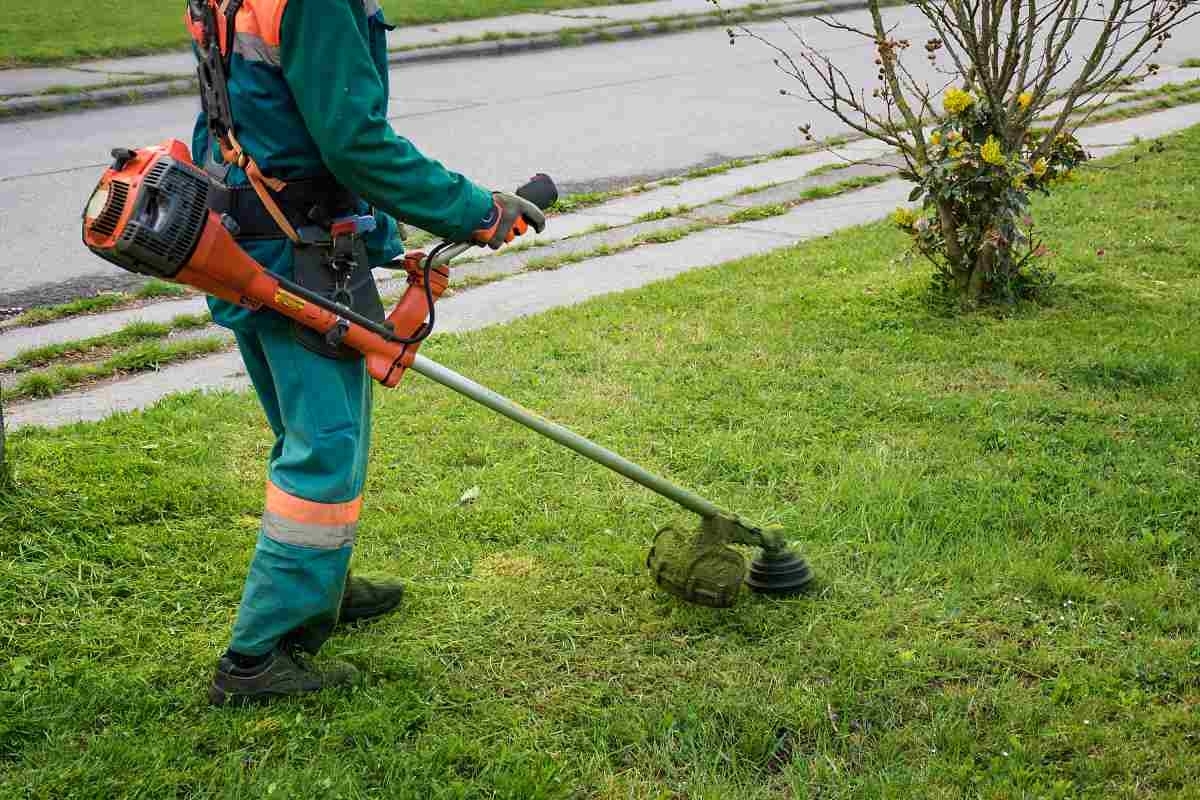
column 364, row 599
column 283, row 674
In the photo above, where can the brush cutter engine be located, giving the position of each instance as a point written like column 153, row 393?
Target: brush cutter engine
column 148, row 211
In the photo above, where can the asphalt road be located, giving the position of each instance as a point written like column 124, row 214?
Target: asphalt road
column 592, row 117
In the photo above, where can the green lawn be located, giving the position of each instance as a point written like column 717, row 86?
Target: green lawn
column 77, row 29
column 1002, row 513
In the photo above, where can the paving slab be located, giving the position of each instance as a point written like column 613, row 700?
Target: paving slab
column 511, row 263
column 15, row 340
column 789, row 191
column 714, row 187
column 15, row 82
column 835, row 213
column 223, row 371
column 1109, row 137
column 180, row 64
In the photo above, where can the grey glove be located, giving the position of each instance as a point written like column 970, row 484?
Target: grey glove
column 510, row 217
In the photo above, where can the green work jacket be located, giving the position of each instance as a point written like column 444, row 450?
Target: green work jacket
column 308, row 87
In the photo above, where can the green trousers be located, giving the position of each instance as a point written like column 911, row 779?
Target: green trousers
column 320, row 412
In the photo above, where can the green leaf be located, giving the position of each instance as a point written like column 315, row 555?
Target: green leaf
column 916, row 193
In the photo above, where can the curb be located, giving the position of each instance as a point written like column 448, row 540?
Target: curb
column 33, row 105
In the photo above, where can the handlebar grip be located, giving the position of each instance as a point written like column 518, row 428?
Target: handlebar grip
column 540, row 191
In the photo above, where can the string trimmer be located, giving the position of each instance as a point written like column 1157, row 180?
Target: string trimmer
column 150, row 215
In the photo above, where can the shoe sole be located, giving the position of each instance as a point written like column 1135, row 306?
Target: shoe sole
column 220, row 698
column 372, row 612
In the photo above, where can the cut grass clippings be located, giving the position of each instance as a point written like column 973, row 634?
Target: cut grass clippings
column 1001, row 510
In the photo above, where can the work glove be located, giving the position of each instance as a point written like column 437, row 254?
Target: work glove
column 510, row 217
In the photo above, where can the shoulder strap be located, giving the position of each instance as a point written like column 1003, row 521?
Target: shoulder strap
column 215, row 54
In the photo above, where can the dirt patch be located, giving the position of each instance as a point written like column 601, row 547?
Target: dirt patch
column 505, row 565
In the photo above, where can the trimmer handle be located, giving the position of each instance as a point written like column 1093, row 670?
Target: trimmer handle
column 540, row 190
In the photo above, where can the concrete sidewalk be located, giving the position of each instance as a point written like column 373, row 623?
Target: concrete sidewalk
column 534, row 292
column 30, row 90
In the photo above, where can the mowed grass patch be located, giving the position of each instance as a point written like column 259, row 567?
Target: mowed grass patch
column 81, row 29
column 1001, row 510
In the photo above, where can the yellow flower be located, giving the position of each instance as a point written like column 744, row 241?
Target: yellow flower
column 1039, row 167
column 1024, row 99
column 991, row 152
column 935, row 138
column 956, row 101
column 1018, row 182
column 904, row 217
column 958, row 150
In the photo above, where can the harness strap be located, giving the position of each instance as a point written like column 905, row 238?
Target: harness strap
column 216, row 58
column 306, row 202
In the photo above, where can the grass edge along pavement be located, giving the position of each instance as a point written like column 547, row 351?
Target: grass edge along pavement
column 92, row 304
column 171, row 35
column 503, row 40
column 142, row 357
column 1004, row 537
column 133, row 333
column 137, row 89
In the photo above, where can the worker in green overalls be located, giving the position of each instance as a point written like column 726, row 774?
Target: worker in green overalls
column 307, row 87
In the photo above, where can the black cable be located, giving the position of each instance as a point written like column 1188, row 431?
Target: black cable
column 427, row 328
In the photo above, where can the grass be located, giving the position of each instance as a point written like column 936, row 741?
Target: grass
column 132, row 333
column 107, row 301
column 663, row 213
column 1129, row 104
column 758, row 212
column 148, row 355
column 1191, row 63
column 1001, row 509
column 847, row 185
column 1162, row 102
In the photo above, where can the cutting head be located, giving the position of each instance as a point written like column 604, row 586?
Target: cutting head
column 698, row 571
column 702, row 568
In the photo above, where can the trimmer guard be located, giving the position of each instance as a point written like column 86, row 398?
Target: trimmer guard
column 701, row 572
column 701, row 568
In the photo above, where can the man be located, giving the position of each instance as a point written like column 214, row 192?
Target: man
column 307, row 89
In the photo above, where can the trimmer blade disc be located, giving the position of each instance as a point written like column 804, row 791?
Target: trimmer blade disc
column 781, row 573
column 703, row 573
